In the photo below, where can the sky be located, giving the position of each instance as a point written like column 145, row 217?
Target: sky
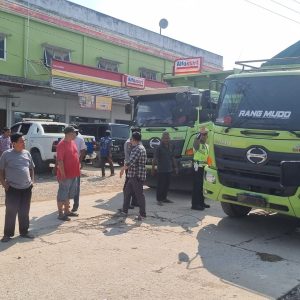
column 235, row 29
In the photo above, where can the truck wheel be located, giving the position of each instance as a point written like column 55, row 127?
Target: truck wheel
column 234, row 210
column 40, row 165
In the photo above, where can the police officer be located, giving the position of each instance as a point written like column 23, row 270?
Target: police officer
column 200, row 159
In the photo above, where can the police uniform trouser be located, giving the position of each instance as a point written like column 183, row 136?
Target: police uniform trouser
column 197, row 196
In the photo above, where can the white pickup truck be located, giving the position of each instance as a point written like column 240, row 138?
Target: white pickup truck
column 41, row 138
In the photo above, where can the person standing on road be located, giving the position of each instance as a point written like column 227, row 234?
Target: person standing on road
column 165, row 160
column 68, row 170
column 105, row 153
column 136, row 176
column 5, row 142
column 200, row 160
column 81, row 151
column 17, row 176
column 127, row 151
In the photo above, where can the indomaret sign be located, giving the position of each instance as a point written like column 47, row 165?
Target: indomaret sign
column 192, row 65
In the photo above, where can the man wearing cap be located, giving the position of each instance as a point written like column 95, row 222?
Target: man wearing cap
column 81, row 151
column 200, row 160
column 105, row 153
column 127, row 150
column 136, row 167
column 68, row 170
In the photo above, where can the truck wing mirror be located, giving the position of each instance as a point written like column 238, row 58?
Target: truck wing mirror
column 128, row 108
column 290, row 171
column 205, row 99
column 195, row 100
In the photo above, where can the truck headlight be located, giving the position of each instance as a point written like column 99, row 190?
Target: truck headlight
column 210, row 177
column 186, row 164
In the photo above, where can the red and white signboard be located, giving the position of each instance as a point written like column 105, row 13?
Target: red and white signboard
column 134, row 82
column 192, row 65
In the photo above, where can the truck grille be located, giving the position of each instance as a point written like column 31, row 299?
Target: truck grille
column 235, row 171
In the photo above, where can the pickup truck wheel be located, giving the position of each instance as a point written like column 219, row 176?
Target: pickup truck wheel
column 234, row 210
column 40, row 165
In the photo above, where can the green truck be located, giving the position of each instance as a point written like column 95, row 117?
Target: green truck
column 181, row 111
column 255, row 143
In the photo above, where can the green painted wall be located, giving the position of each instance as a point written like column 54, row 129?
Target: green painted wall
column 84, row 50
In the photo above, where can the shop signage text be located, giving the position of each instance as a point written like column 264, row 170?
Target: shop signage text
column 191, row 65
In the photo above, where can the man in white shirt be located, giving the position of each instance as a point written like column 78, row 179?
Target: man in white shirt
column 81, row 150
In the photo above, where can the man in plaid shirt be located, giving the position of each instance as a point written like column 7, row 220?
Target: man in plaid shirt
column 136, row 176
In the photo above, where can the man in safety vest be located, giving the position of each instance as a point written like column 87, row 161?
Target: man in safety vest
column 200, row 160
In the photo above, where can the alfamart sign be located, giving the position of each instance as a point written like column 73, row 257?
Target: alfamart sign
column 191, row 65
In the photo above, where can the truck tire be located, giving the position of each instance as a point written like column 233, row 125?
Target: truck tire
column 234, row 210
column 40, row 165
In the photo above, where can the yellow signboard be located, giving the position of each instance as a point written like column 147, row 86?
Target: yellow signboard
column 103, row 103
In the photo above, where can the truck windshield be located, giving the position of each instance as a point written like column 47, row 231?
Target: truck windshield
column 163, row 110
column 119, row 131
column 265, row 102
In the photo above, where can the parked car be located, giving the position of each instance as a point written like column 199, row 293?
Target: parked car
column 119, row 134
column 42, row 136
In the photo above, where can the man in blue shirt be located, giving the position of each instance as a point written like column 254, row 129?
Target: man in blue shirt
column 105, row 153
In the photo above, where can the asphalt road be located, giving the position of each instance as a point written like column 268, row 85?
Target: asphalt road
column 176, row 253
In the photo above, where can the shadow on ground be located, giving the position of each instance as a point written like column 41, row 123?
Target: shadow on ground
column 256, row 252
column 177, row 214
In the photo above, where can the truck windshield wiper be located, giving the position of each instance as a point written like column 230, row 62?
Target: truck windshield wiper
column 234, row 125
column 253, row 132
column 294, row 133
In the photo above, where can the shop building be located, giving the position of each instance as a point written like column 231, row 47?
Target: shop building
column 62, row 61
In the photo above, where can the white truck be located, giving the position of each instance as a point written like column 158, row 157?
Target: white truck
column 42, row 136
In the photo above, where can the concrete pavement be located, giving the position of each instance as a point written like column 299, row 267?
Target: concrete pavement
column 176, row 253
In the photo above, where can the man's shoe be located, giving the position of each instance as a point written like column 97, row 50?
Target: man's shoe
column 121, row 213
column 131, row 207
column 167, row 201
column 206, row 205
column 73, row 214
column 5, row 239
column 74, row 209
column 160, row 203
column 63, row 218
column 139, row 218
column 198, row 208
column 112, row 174
column 27, row 236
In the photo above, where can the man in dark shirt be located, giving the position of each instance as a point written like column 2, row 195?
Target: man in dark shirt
column 105, row 153
column 136, row 176
column 165, row 160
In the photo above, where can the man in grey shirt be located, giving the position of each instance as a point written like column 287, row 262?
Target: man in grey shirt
column 16, row 176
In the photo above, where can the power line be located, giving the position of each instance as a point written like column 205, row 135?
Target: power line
column 289, row 8
column 296, row 1
column 273, row 12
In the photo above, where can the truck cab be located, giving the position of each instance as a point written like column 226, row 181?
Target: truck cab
column 180, row 111
column 119, row 135
column 256, row 130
